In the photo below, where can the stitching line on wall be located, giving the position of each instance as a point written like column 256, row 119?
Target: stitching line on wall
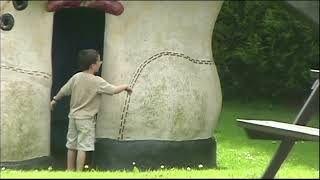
column 24, row 71
column 136, row 75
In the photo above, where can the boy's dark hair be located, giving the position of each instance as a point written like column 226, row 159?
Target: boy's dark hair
column 86, row 57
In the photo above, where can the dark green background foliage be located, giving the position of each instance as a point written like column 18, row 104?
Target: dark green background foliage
column 262, row 50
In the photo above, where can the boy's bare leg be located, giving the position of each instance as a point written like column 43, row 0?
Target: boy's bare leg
column 81, row 158
column 71, row 158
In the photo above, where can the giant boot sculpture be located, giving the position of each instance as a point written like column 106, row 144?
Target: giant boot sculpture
column 163, row 50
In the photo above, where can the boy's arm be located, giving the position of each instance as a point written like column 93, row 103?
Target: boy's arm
column 106, row 88
column 64, row 91
column 123, row 87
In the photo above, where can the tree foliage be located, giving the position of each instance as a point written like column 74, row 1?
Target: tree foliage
column 262, row 50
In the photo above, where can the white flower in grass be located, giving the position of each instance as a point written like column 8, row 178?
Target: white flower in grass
column 250, row 158
column 135, row 169
column 86, row 166
column 162, row 166
column 200, row 166
column 49, row 168
column 3, row 168
column 133, row 163
column 188, row 168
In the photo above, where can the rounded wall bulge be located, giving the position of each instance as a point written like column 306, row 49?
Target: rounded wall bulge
column 25, row 85
column 162, row 49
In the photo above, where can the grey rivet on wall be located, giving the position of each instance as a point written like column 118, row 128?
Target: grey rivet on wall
column 20, row 4
column 6, row 22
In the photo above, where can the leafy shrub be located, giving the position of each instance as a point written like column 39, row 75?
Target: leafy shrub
column 262, row 50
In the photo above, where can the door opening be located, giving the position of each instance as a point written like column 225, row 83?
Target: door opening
column 73, row 29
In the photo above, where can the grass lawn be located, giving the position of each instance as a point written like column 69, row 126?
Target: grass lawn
column 237, row 156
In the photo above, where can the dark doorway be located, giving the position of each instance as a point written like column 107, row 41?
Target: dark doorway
column 73, row 30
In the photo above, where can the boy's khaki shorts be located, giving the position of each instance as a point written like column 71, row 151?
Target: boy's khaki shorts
column 81, row 134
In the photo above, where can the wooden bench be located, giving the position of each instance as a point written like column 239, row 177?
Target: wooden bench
column 287, row 133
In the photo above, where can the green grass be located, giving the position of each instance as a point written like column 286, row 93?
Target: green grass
column 237, row 156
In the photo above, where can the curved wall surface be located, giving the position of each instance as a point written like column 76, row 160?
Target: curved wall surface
column 25, row 86
column 163, row 51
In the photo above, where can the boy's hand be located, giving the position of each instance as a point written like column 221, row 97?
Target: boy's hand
column 52, row 104
column 129, row 90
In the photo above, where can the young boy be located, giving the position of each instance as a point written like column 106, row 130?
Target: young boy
column 85, row 89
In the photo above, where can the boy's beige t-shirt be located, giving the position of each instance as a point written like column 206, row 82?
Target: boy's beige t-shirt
column 85, row 90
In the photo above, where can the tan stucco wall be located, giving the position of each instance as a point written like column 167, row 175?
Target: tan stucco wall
column 174, row 96
column 26, row 83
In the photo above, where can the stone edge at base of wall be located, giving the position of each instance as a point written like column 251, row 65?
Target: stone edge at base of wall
column 34, row 163
column 113, row 154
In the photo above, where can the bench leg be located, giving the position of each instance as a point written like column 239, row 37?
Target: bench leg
column 281, row 154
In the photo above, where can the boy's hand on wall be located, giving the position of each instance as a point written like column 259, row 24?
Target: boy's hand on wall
column 129, row 90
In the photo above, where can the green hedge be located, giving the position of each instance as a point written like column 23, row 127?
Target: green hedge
column 262, row 50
